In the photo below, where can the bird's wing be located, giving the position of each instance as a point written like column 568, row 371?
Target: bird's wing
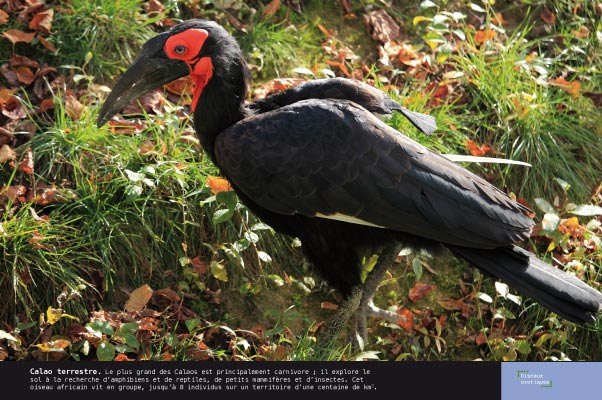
column 334, row 159
column 360, row 93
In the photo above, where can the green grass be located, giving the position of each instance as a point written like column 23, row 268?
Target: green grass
column 101, row 36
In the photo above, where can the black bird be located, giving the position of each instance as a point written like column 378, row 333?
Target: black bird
column 314, row 162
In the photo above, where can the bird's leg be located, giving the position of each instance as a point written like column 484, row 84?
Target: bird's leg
column 340, row 320
column 366, row 305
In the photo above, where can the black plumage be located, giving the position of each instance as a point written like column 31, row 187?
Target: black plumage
column 315, row 162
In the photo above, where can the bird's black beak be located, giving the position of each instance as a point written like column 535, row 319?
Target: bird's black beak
column 152, row 69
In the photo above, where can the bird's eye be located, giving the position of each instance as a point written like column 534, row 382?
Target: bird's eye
column 180, row 49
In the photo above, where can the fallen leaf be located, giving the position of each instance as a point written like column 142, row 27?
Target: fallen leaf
column 548, row 17
column 200, row 267
column 499, row 20
column 475, row 149
column 5, row 95
column 73, row 107
column 406, row 320
column 346, row 4
column 217, row 184
column 169, row 294
column 47, row 44
column 25, row 75
column 571, row 87
column 26, row 165
column 481, row 339
column 381, row 26
column 271, row 9
column 19, row 60
column 12, row 193
column 3, row 17
column 6, row 153
column 42, row 21
column 484, row 35
column 326, row 305
column 16, row 36
column 340, row 66
column 182, row 86
column 596, row 98
column 13, row 109
column 275, row 86
column 419, row 290
column 139, row 298
column 122, row 357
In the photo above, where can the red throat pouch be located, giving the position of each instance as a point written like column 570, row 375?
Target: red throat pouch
column 201, row 73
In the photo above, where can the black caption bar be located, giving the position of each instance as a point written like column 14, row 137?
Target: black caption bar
column 470, row 380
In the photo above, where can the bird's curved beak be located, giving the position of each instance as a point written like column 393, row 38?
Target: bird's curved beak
column 145, row 74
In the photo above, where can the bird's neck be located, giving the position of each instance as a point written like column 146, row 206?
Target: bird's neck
column 220, row 104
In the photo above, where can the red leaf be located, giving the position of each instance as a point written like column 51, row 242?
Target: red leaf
column 406, row 320
column 26, row 165
column 42, row 21
column 475, row 149
column 420, row 290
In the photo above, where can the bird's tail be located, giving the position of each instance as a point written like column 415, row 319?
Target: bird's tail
column 558, row 291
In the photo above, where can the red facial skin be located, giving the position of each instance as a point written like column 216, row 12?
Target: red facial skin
column 186, row 46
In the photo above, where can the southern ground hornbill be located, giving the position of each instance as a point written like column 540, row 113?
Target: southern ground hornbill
column 315, row 163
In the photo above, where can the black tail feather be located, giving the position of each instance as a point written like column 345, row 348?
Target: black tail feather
column 558, row 291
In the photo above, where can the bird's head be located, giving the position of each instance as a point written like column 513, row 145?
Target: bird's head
column 197, row 48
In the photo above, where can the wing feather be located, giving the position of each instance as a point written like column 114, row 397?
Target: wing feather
column 325, row 157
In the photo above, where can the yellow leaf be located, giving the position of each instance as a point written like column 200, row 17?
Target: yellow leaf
column 219, row 271
column 139, row 298
column 53, row 315
column 419, row 18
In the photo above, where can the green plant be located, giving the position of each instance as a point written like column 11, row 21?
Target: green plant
column 101, row 36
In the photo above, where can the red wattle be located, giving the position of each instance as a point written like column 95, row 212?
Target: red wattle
column 201, row 73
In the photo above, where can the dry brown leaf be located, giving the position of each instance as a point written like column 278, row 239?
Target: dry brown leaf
column 420, row 290
column 381, row 26
column 25, row 75
column 5, row 95
column 271, row 9
column 275, row 86
column 6, row 153
column 3, row 17
column 571, row 87
column 139, row 298
column 340, row 66
column 13, row 109
column 217, row 184
column 19, row 60
column 595, row 97
column 17, row 35
column 475, row 149
column 26, row 165
column 47, row 44
column 482, row 36
column 42, row 21
column 406, row 320
column 548, row 17
column 201, row 267
column 73, row 107
column 326, row 305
